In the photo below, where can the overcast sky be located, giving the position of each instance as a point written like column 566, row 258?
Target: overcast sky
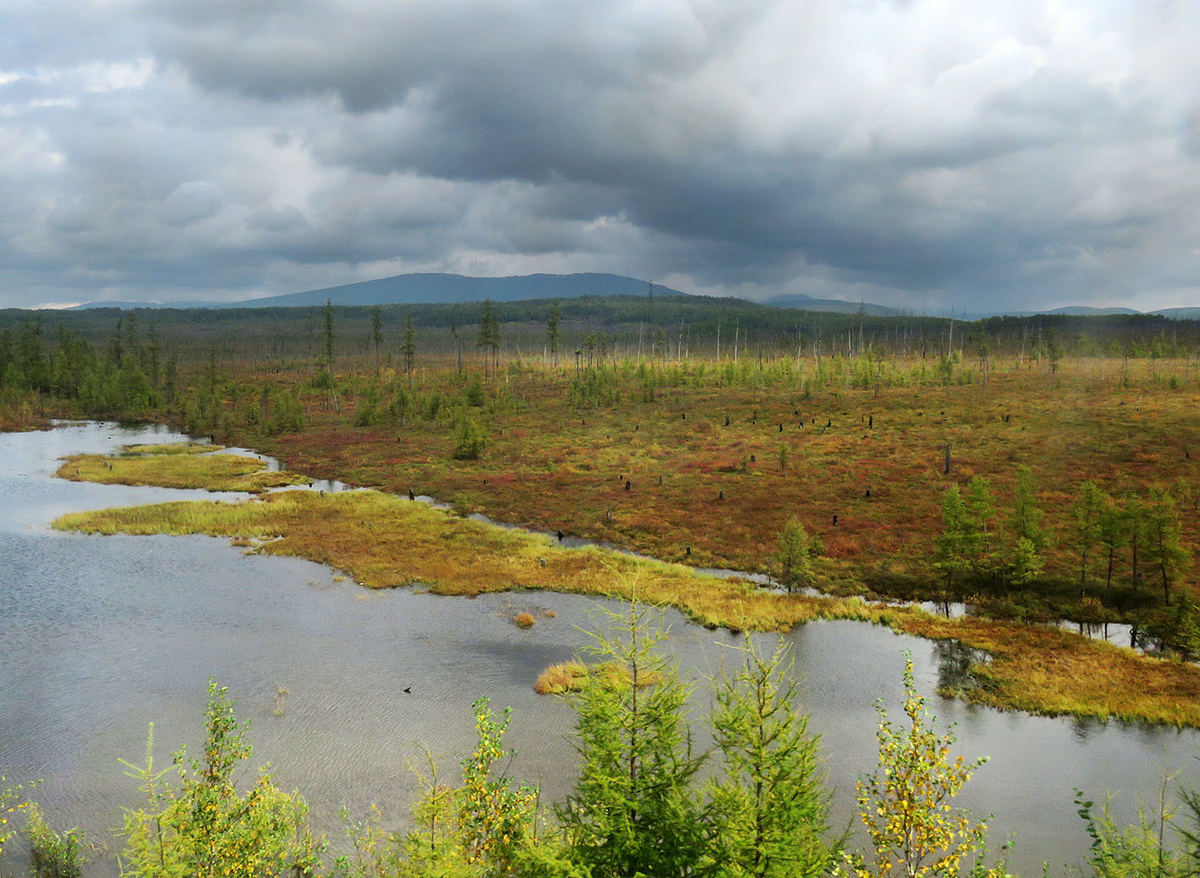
column 926, row 154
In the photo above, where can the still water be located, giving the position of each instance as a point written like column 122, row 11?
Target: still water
column 99, row 636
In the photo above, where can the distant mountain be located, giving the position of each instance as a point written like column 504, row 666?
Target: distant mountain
column 433, row 289
column 129, row 306
column 1179, row 313
column 438, row 288
column 1088, row 311
column 808, row 303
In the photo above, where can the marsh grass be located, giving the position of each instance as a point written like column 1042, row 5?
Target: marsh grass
column 178, row 465
column 170, row 448
column 383, row 541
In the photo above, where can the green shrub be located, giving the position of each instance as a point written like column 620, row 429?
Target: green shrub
column 53, row 855
column 205, row 827
column 468, row 441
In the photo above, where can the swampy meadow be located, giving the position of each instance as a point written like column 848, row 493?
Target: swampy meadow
column 418, row 507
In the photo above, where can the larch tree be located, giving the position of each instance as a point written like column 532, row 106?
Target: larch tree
column 552, row 331
column 793, row 557
column 377, row 332
column 409, row 348
column 633, row 811
column 1026, row 518
column 769, row 813
column 1165, row 554
column 956, row 544
column 1087, row 512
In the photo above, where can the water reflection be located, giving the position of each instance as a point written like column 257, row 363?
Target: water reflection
column 955, row 661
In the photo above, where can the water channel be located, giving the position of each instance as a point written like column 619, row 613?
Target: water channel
column 99, row 636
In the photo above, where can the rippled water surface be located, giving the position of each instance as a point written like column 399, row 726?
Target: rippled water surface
column 99, row 636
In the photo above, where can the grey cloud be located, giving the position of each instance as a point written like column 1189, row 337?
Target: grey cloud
column 736, row 146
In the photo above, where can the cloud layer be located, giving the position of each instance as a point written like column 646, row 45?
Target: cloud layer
column 910, row 153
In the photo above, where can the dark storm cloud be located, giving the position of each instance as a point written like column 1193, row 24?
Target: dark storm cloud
column 1023, row 155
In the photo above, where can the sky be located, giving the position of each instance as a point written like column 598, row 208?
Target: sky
column 925, row 154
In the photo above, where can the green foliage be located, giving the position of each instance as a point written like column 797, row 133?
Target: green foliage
column 769, row 811
column 483, row 828
column 368, row 411
column 474, row 393
column 53, row 855
column 489, row 331
column 1177, row 628
column 1087, row 513
column 981, row 509
column 597, row 386
column 409, row 347
column 495, row 817
column 633, row 811
column 11, row 801
column 1142, row 849
column 793, row 561
column 328, row 317
column 205, row 827
column 907, row 806
column 468, row 441
column 1165, row 554
column 552, row 321
column 1026, row 564
column 1026, row 522
column 287, row 415
column 956, row 546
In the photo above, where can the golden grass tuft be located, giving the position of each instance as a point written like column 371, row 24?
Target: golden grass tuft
column 564, row 677
column 574, row 675
column 524, row 620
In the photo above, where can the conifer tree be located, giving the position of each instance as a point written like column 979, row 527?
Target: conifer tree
column 956, row 545
column 552, row 331
column 769, row 812
column 377, row 333
column 981, row 509
column 1164, row 550
column 633, row 812
column 1027, row 517
column 489, row 333
column 793, row 558
column 1087, row 512
column 409, row 348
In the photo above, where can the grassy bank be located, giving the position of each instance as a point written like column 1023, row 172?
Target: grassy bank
column 177, row 465
column 384, row 541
